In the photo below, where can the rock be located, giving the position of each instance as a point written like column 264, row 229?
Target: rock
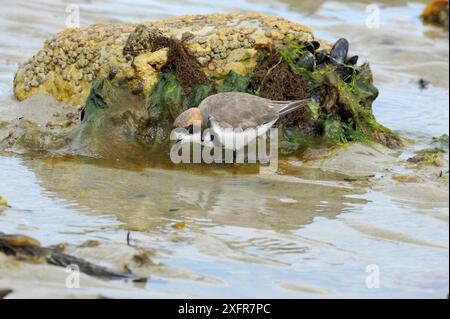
column 437, row 12
column 354, row 160
column 148, row 65
column 92, row 47
column 156, row 76
column 144, row 39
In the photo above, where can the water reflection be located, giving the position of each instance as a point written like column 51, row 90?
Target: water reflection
column 248, row 235
column 149, row 198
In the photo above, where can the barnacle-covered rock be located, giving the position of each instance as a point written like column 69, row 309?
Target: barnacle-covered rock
column 144, row 39
column 68, row 64
column 134, row 80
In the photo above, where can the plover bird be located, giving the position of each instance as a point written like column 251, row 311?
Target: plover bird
column 224, row 113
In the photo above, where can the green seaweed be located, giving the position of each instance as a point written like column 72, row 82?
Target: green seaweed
column 168, row 98
column 234, row 82
column 333, row 129
column 292, row 52
column 165, row 99
column 293, row 140
column 351, row 119
column 115, row 114
column 114, row 122
column 356, row 98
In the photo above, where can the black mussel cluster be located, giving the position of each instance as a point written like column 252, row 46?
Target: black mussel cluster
column 338, row 57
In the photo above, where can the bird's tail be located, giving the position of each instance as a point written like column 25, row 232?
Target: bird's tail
column 293, row 106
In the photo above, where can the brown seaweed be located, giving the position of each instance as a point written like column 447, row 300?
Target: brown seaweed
column 28, row 249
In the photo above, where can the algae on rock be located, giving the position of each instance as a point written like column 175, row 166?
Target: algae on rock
column 129, row 112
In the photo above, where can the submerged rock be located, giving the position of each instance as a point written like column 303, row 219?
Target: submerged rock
column 134, row 80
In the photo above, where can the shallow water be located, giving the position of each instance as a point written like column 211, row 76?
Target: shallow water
column 299, row 233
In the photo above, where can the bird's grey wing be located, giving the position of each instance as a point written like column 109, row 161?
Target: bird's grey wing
column 240, row 110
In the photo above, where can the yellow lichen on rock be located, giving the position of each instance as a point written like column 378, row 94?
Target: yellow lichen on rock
column 68, row 64
column 147, row 66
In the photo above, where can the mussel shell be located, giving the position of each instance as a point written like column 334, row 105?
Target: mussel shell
column 322, row 57
column 346, row 72
column 316, row 44
column 82, row 113
column 307, row 62
column 334, row 62
column 309, row 47
column 352, row 61
column 320, row 66
column 312, row 46
column 339, row 51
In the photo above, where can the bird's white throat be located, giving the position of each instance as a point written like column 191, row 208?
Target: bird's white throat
column 225, row 145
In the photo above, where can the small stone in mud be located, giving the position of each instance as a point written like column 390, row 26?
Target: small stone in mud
column 174, row 209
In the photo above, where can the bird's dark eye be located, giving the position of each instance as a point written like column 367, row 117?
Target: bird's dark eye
column 190, row 129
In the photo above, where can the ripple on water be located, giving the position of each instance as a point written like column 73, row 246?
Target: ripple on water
column 298, row 234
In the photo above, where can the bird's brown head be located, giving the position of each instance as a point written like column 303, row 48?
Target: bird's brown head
column 188, row 118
